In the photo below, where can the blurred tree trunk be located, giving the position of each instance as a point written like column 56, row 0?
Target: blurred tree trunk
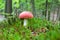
column 51, row 16
column 58, row 15
column 55, row 15
column 48, row 15
column 46, row 11
column 8, row 6
column 33, row 7
column 8, row 9
column 26, row 5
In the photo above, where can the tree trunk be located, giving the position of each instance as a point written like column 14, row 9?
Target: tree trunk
column 8, row 9
column 46, row 9
column 33, row 7
column 55, row 15
column 26, row 5
column 59, row 15
column 8, row 6
column 51, row 16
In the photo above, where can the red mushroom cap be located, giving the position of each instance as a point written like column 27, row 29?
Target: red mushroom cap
column 25, row 15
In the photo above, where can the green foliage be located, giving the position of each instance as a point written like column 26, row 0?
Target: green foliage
column 2, row 4
column 18, row 32
column 15, row 3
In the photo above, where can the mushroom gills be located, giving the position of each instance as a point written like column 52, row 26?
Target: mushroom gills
column 25, row 22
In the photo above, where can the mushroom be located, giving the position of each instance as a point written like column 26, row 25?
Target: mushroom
column 24, row 16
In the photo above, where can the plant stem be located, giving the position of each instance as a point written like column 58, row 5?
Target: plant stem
column 25, row 22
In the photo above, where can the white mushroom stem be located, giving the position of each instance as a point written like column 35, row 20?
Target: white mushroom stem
column 25, row 22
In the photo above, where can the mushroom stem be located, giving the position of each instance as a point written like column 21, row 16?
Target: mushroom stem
column 25, row 22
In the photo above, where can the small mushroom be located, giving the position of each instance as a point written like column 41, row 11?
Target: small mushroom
column 24, row 16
